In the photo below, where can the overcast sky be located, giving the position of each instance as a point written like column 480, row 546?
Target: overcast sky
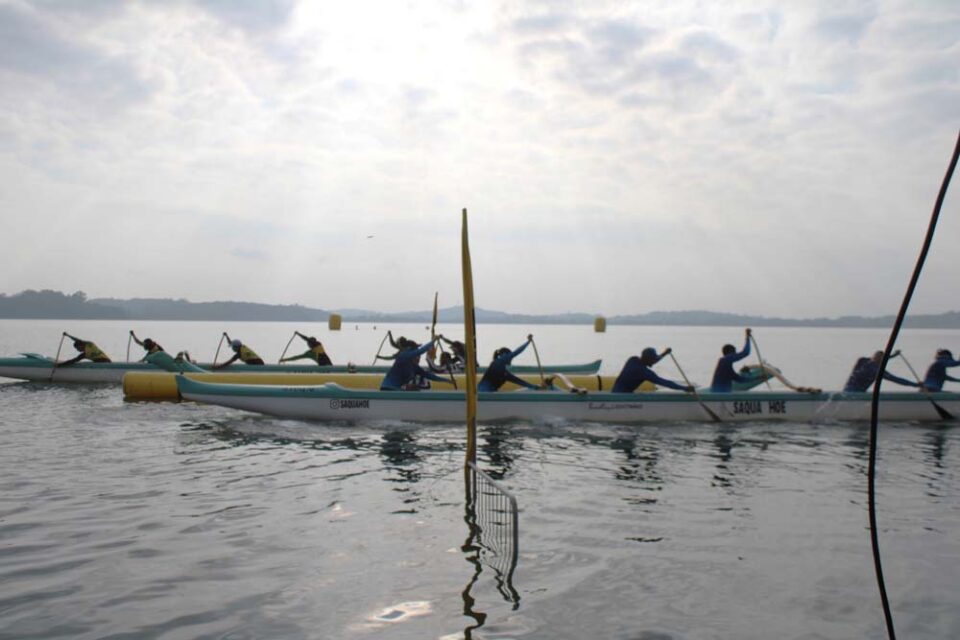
column 772, row 158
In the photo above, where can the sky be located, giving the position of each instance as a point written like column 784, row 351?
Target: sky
column 768, row 158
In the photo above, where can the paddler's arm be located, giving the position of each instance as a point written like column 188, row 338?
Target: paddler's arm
column 228, row 362
column 521, row 348
column 746, row 348
column 429, row 375
column 520, row 381
column 66, row 363
column 898, row 380
column 670, row 384
column 390, row 338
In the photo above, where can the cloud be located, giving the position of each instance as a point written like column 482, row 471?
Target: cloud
column 41, row 59
column 736, row 157
column 253, row 16
column 848, row 29
column 629, row 61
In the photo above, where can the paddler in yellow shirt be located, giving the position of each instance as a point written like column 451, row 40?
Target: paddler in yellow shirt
column 87, row 349
column 241, row 352
column 315, row 352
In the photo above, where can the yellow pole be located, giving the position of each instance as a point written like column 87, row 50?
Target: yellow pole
column 469, row 326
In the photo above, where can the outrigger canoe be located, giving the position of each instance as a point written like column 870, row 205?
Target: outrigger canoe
column 331, row 402
column 32, row 366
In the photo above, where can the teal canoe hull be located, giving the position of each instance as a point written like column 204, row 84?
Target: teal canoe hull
column 39, row 368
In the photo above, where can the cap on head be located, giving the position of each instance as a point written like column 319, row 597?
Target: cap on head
column 236, row 344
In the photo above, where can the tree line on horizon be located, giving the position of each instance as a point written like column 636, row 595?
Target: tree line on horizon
column 55, row 305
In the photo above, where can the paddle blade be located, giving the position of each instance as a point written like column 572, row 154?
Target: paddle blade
column 469, row 329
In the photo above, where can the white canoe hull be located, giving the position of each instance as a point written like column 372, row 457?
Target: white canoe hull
column 336, row 404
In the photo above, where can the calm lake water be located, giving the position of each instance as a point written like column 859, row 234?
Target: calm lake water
column 147, row 520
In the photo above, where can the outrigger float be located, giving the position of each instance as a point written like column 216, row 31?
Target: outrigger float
column 39, row 368
column 334, row 403
column 142, row 385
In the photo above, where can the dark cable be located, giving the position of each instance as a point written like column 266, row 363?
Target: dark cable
column 875, row 404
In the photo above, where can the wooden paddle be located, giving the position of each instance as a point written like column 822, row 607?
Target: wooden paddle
column 56, row 360
column 943, row 413
column 287, row 347
column 536, row 354
column 756, row 348
column 219, row 344
column 387, row 335
column 713, row 416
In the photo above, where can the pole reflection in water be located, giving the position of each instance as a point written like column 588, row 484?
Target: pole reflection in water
column 496, row 447
column 491, row 515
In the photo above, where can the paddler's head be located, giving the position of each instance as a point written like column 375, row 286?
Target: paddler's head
column 78, row 345
column 502, row 351
column 728, row 349
column 235, row 344
column 648, row 356
column 944, row 354
column 148, row 344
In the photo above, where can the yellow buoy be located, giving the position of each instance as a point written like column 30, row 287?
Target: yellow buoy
column 334, row 322
column 599, row 324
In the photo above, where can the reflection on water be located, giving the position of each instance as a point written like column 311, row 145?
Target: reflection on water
column 129, row 520
column 491, row 514
column 401, row 454
column 496, row 442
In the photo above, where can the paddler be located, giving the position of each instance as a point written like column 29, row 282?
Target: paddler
column 723, row 375
column 87, row 349
column 497, row 373
column 937, row 373
column 315, row 352
column 637, row 370
column 458, row 354
column 865, row 371
column 240, row 352
column 406, row 372
column 148, row 345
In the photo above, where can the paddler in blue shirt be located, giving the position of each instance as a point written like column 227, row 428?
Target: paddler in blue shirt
column 148, row 345
column 87, row 349
column 458, row 360
column 240, row 352
column 865, row 371
column 637, row 370
column 315, row 352
column 937, row 373
column 406, row 371
column 497, row 373
column 724, row 375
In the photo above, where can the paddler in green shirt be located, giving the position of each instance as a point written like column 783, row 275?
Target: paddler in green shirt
column 87, row 349
column 148, row 345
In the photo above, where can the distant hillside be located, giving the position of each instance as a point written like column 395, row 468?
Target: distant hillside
column 166, row 309
column 948, row 320
column 55, row 305
column 49, row 304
